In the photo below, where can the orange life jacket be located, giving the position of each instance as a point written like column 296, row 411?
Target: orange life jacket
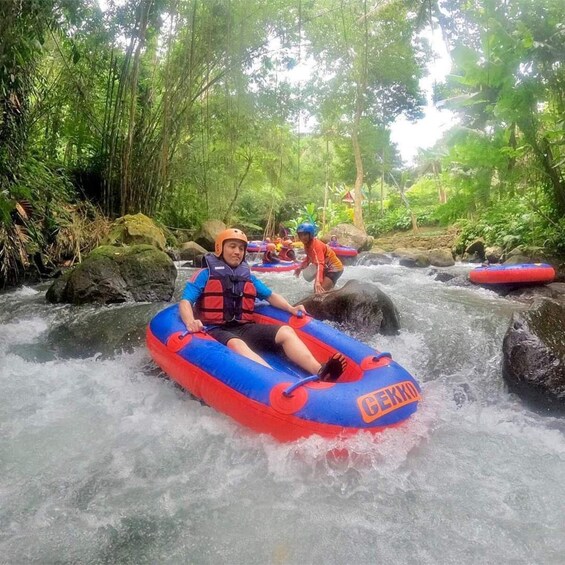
column 228, row 295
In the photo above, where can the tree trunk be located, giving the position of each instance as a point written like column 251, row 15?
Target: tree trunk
column 357, row 209
column 127, row 196
column 237, row 189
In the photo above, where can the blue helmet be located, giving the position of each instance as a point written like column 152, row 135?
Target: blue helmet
column 306, row 227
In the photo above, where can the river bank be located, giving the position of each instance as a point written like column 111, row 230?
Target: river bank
column 425, row 238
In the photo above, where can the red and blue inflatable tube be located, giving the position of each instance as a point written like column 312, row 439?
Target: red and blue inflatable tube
column 344, row 251
column 256, row 246
column 280, row 267
column 373, row 394
column 532, row 273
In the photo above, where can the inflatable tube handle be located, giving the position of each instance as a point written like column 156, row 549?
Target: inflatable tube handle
column 288, row 392
column 381, row 355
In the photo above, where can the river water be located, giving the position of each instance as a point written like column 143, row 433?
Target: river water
column 102, row 460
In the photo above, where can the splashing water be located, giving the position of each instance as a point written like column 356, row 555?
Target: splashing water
column 104, row 461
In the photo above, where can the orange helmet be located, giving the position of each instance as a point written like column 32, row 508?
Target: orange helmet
column 287, row 242
column 230, row 233
column 271, row 247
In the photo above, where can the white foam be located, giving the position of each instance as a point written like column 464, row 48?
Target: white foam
column 103, row 460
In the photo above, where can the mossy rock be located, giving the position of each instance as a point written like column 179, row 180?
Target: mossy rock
column 136, row 229
column 110, row 274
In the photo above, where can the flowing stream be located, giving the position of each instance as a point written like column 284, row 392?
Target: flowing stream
column 103, row 460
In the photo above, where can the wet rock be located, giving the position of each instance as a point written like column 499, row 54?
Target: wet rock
column 140, row 273
column 459, row 280
column 441, row 258
column 475, row 252
column 104, row 330
column 526, row 254
column 493, row 254
column 190, row 250
column 347, row 260
column 360, row 305
column 441, row 276
column 173, row 253
column 529, row 294
column 208, row 233
column 404, row 251
column 373, row 258
column 199, row 262
column 534, row 355
column 411, row 257
column 517, row 259
column 414, row 259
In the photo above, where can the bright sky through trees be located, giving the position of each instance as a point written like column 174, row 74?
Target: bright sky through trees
column 409, row 136
column 426, row 132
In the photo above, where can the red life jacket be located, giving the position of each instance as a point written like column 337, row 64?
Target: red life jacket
column 287, row 254
column 228, row 295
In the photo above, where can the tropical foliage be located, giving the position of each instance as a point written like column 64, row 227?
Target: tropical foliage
column 189, row 110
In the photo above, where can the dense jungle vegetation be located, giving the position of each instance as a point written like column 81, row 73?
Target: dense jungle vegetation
column 193, row 109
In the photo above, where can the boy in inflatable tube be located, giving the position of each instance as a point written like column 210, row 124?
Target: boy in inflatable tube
column 220, row 300
column 270, row 255
column 287, row 252
column 328, row 267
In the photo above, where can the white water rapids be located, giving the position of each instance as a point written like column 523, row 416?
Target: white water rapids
column 104, row 461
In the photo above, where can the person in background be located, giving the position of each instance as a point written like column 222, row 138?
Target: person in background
column 328, row 267
column 221, row 298
column 333, row 241
column 287, row 252
column 270, row 255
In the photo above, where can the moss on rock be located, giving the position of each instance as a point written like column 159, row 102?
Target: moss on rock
column 136, row 229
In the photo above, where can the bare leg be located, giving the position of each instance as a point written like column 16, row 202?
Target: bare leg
column 327, row 284
column 239, row 346
column 296, row 350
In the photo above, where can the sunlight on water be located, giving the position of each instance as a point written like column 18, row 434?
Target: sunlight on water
column 103, row 460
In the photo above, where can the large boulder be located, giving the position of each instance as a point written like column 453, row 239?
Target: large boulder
column 526, row 254
column 441, row 257
column 373, row 258
column 475, row 252
column 208, row 233
column 136, row 229
column 452, row 276
column 350, row 236
column 190, row 250
column 140, row 273
column 412, row 257
column 104, row 331
column 494, row 254
column 534, row 355
column 358, row 304
column 531, row 293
